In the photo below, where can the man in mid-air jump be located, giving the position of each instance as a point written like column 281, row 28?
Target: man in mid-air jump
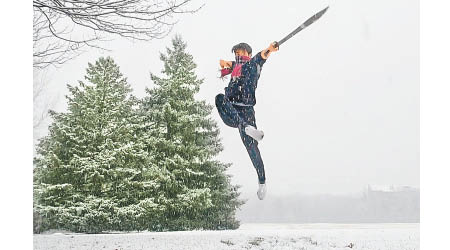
column 236, row 106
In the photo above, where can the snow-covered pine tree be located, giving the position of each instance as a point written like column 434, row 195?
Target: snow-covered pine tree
column 185, row 141
column 93, row 172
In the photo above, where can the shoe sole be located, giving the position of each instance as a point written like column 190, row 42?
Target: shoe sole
column 256, row 137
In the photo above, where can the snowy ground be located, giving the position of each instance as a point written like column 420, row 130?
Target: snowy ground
column 249, row 236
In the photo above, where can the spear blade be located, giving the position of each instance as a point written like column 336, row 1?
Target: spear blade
column 304, row 25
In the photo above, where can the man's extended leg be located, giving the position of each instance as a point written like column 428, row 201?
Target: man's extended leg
column 248, row 114
column 255, row 156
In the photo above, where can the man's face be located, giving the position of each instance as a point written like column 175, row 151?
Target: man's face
column 241, row 52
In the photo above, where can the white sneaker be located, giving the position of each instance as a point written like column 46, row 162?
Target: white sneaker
column 254, row 133
column 261, row 191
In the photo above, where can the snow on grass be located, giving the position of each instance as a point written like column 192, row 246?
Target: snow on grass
column 248, row 236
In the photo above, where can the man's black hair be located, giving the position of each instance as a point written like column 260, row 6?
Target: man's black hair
column 242, row 46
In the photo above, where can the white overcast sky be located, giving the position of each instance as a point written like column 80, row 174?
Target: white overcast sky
column 339, row 103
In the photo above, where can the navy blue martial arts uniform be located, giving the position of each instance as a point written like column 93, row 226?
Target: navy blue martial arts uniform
column 236, row 106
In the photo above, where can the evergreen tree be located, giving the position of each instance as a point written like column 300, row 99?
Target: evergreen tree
column 184, row 141
column 93, row 172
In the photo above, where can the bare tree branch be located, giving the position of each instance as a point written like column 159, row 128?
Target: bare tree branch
column 56, row 23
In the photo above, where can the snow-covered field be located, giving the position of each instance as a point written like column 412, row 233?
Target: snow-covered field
column 249, row 236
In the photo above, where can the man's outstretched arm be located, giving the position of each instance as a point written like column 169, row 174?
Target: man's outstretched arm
column 272, row 47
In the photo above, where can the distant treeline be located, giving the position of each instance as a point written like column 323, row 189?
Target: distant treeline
column 370, row 207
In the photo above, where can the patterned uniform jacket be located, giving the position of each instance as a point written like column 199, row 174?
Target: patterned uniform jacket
column 241, row 89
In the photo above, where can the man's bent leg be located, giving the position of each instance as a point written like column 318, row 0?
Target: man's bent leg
column 227, row 112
